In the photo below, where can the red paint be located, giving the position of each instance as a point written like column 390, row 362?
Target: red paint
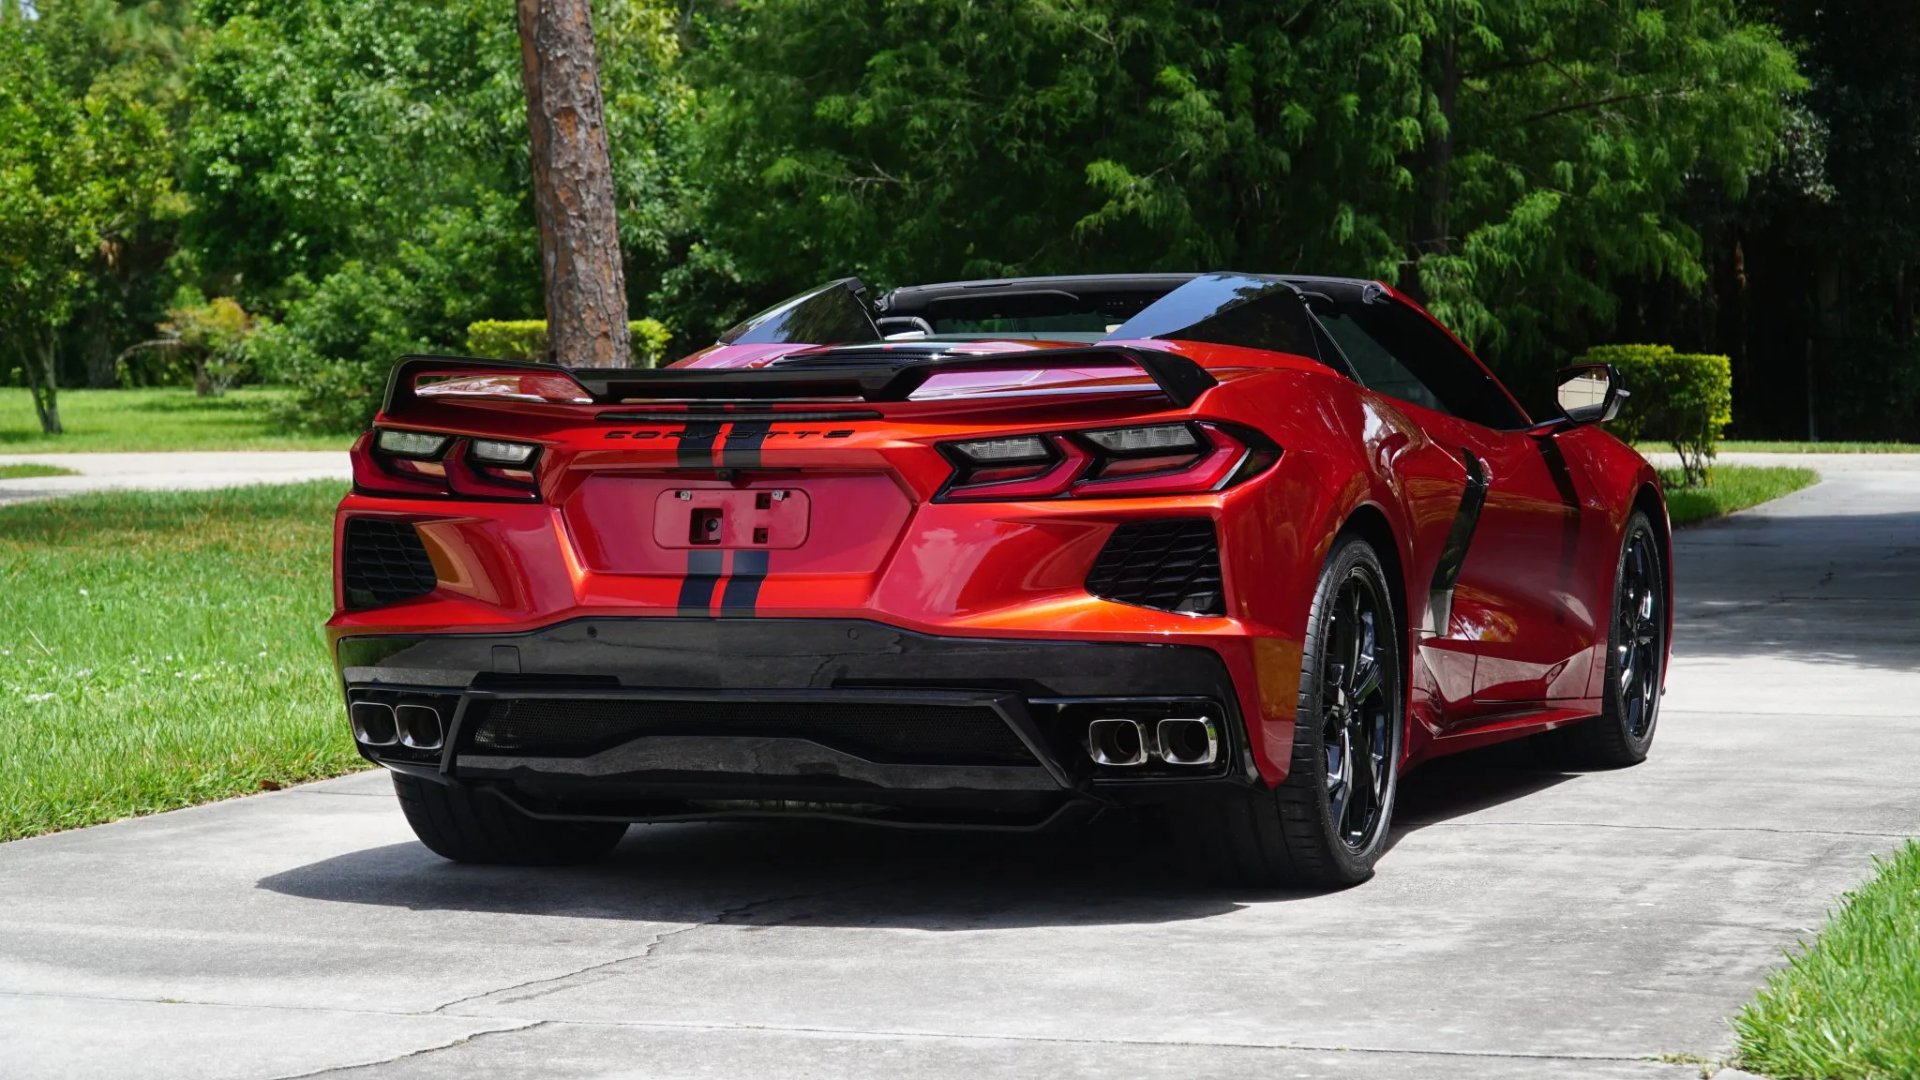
column 1521, row 652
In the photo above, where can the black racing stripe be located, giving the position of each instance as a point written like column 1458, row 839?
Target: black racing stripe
column 741, row 450
column 743, row 588
column 696, row 589
column 696, row 444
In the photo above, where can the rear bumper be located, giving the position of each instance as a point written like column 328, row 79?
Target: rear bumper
column 670, row 718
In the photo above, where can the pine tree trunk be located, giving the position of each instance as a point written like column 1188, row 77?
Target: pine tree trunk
column 586, row 292
column 1432, row 229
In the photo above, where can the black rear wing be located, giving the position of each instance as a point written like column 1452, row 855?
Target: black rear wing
column 1180, row 379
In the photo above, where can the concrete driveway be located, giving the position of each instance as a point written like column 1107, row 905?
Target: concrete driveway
column 175, row 470
column 1528, row 923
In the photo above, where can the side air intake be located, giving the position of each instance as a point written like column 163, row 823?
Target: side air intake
column 384, row 562
column 1170, row 565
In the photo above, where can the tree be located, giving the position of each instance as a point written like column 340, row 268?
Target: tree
column 573, row 196
column 1504, row 161
column 71, row 172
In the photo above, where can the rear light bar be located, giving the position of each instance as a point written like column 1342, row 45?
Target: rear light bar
column 394, row 461
column 1155, row 459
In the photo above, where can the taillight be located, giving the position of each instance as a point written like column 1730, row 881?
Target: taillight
column 392, row 461
column 1154, row 459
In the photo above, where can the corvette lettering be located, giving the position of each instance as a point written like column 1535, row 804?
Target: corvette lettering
column 796, row 433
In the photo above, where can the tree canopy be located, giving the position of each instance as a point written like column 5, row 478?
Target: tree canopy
column 1544, row 173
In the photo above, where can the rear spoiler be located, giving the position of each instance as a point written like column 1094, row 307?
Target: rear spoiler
column 1179, row 378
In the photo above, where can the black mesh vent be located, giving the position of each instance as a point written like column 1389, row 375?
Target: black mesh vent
column 384, row 563
column 1170, row 565
column 902, row 734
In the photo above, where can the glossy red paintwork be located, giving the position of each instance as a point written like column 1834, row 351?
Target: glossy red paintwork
column 1521, row 652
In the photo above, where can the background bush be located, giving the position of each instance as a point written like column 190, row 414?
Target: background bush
column 526, row 339
column 1682, row 399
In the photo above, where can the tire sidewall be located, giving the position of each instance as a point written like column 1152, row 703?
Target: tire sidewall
column 1612, row 704
column 1348, row 554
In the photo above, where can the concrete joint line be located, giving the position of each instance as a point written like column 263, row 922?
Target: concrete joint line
column 422, row 1052
column 551, row 984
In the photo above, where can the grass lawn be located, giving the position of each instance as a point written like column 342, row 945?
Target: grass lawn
column 162, row 419
column 1848, row 1007
column 1764, row 446
column 159, row 649
column 24, row 471
column 1734, row 487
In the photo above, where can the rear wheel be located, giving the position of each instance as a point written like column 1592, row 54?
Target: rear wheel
column 1636, row 661
column 1326, row 825
column 473, row 826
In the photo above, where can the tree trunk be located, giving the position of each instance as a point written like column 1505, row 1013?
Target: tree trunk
column 1431, row 232
column 96, row 348
column 43, row 381
column 586, row 291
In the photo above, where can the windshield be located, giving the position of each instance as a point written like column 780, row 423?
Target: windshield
column 833, row 313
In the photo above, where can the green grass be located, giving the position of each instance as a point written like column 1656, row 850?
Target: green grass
column 27, row 470
column 159, row 649
column 1848, row 1007
column 1734, row 487
column 1769, row 446
column 162, row 419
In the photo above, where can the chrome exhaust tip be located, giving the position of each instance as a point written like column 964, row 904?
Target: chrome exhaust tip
column 1186, row 740
column 373, row 723
column 1117, row 742
column 420, row 727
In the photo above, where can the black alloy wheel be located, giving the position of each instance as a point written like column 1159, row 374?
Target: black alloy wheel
column 1636, row 661
column 1328, row 822
column 1356, row 713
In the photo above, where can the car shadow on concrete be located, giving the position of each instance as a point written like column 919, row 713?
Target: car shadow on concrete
column 1114, row 871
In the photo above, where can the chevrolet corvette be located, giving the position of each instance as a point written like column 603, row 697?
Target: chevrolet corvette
column 1238, row 549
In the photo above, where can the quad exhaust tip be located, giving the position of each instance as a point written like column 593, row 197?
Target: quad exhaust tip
column 374, row 723
column 1117, row 742
column 1183, row 740
column 420, row 727
column 1176, row 740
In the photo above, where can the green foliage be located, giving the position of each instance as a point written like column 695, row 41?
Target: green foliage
column 1848, row 1006
column 526, row 339
column 1682, row 399
column 1502, row 160
column 360, row 173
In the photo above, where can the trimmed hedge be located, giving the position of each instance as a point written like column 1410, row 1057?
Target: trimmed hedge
column 526, row 339
column 1682, row 399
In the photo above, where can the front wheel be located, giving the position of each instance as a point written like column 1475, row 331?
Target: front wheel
column 1326, row 825
column 474, row 826
column 1636, row 661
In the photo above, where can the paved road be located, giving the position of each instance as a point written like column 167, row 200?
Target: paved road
column 1528, row 923
column 186, row 470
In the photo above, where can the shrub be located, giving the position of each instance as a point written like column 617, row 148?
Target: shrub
column 337, row 344
column 526, row 339
column 1682, row 399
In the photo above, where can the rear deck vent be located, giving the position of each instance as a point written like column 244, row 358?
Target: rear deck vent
column 1170, row 565
column 384, row 562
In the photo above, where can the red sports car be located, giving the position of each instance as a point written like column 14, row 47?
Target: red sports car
column 1238, row 548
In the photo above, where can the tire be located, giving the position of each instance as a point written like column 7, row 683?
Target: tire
column 1293, row 835
column 1636, row 662
column 469, row 825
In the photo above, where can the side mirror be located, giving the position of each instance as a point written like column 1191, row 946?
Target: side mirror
column 1590, row 393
